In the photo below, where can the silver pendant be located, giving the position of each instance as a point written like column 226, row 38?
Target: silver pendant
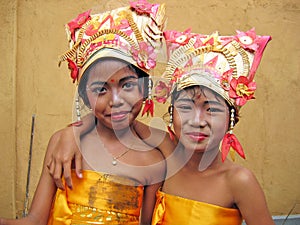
column 114, row 162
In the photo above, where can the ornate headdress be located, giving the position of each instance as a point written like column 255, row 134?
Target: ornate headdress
column 225, row 64
column 133, row 34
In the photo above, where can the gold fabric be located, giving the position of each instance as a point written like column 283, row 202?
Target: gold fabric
column 174, row 210
column 98, row 198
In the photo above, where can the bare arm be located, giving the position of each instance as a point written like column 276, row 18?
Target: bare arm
column 155, row 137
column 149, row 200
column 42, row 200
column 65, row 149
column 250, row 198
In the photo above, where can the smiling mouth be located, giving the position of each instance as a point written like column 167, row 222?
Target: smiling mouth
column 196, row 136
column 117, row 116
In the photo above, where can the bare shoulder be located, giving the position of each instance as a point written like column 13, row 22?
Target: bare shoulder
column 243, row 185
column 248, row 195
column 60, row 139
column 240, row 177
column 53, row 141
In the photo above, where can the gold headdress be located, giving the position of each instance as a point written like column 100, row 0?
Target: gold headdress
column 225, row 64
column 132, row 33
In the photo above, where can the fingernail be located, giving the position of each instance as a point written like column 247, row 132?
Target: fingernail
column 80, row 175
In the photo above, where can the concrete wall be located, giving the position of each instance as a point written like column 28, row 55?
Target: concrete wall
column 32, row 36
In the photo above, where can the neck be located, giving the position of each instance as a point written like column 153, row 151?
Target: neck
column 201, row 161
column 115, row 135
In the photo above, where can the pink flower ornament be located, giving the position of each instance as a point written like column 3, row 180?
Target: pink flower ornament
column 162, row 92
column 180, row 38
column 248, row 39
column 144, row 56
column 142, row 6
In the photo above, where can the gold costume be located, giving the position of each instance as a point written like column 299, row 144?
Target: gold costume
column 98, row 198
column 175, row 210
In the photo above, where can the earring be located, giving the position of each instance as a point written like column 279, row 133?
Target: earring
column 171, row 133
column 78, row 114
column 149, row 105
column 231, row 121
column 230, row 141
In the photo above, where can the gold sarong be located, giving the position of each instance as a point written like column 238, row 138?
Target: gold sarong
column 175, row 210
column 98, row 198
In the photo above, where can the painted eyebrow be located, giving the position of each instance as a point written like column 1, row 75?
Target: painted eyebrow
column 207, row 102
column 128, row 78
column 98, row 83
column 102, row 83
column 184, row 100
column 212, row 102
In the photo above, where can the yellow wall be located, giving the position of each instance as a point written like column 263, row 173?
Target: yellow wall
column 32, row 36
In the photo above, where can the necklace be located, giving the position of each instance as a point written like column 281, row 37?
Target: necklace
column 114, row 160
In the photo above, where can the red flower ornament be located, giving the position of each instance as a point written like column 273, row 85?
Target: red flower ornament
column 242, row 90
column 74, row 69
column 225, row 78
column 178, row 73
column 148, row 107
column 78, row 22
column 230, row 141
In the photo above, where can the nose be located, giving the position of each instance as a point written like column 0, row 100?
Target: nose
column 116, row 99
column 198, row 119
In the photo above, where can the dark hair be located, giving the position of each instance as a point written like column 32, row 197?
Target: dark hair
column 143, row 83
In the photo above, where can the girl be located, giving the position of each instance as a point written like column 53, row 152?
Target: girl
column 209, row 78
column 119, row 187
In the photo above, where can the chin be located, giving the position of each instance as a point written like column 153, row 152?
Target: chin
column 119, row 126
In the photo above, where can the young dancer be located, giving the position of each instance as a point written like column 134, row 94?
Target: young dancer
column 209, row 79
column 111, row 56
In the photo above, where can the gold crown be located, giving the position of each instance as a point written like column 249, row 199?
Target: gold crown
column 225, row 64
column 132, row 33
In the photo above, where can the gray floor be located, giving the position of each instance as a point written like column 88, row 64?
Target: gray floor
column 281, row 220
